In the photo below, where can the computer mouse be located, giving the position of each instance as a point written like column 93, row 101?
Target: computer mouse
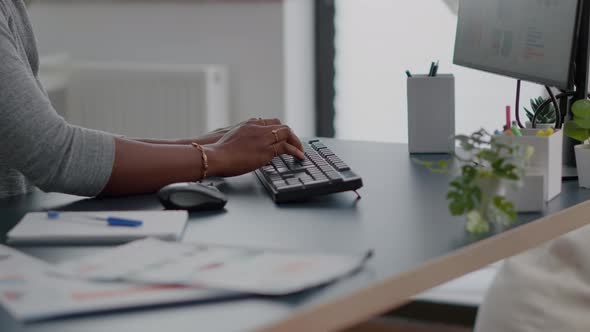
column 192, row 196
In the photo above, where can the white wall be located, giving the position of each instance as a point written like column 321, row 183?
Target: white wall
column 299, row 65
column 246, row 35
column 377, row 41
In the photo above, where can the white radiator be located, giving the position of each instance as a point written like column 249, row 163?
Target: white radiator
column 147, row 100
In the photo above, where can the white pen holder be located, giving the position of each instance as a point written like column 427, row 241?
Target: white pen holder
column 431, row 113
column 546, row 160
column 530, row 196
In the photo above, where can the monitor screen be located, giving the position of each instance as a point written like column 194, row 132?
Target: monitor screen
column 530, row 40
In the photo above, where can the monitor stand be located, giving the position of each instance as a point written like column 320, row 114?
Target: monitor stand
column 569, row 170
column 579, row 83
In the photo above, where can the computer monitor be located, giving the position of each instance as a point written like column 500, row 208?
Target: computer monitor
column 542, row 41
column 531, row 40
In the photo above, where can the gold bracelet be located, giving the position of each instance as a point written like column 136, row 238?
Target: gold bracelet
column 205, row 166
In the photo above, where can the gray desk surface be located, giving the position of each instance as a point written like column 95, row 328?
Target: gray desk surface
column 402, row 216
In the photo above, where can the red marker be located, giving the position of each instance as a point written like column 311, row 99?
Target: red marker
column 508, row 120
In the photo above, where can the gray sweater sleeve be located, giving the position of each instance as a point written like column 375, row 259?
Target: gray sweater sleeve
column 37, row 142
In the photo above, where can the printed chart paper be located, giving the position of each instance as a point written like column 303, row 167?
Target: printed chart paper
column 249, row 270
column 31, row 290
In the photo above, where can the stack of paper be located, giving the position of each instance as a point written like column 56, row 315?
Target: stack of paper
column 75, row 228
column 249, row 270
column 31, row 289
column 149, row 272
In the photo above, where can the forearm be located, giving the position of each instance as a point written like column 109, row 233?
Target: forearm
column 209, row 138
column 142, row 167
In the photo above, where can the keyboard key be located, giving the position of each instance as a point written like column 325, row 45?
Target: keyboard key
column 318, row 146
column 268, row 168
column 280, row 183
column 313, row 155
column 306, row 180
column 305, row 177
column 314, row 171
column 270, row 173
column 333, row 159
column 326, row 152
column 297, row 168
column 307, row 167
column 334, row 176
column 293, row 181
column 294, row 165
column 327, row 168
column 319, row 177
column 287, row 157
column 282, row 170
column 316, row 183
column 279, row 163
column 342, row 167
column 275, row 177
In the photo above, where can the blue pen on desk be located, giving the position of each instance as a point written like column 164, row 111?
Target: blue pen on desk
column 110, row 221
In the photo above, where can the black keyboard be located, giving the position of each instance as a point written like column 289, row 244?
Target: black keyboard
column 287, row 178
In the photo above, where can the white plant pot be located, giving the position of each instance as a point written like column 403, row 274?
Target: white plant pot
column 490, row 188
column 546, row 159
column 529, row 125
column 583, row 164
column 480, row 219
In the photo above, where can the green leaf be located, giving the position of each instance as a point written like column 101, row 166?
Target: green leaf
column 583, row 123
column 456, row 208
column 545, row 115
column 572, row 130
column 529, row 114
column 453, row 195
column 506, row 207
column 478, row 195
column 456, row 184
column 465, row 142
column 469, row 173
column 498, row 163
column 512, row 177
column 488, row 155
column 581, row 109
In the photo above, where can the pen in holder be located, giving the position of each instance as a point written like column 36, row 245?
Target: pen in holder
column 431, row 113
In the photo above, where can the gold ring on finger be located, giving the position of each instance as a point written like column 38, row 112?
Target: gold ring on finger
column 275, row 132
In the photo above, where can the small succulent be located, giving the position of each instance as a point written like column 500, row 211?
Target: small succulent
column 547, row 114
column 579, row 127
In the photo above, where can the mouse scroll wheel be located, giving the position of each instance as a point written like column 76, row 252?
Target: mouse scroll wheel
column 184, row 199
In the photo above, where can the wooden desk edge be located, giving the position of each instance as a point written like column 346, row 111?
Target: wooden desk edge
column 389, row 294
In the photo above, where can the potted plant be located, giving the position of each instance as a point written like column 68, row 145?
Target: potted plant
column 545, row 119
column 486, row 166
column 578, row 129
